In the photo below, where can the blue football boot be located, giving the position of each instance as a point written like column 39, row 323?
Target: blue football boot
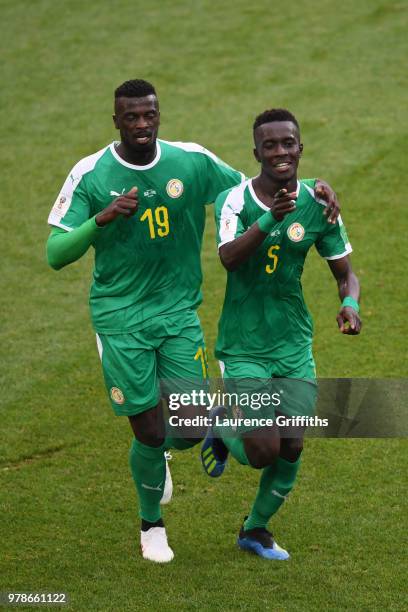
column 260, row 542
column 214, row 453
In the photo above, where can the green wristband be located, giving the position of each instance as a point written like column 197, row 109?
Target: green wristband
column 266, row 222
column 351, row 302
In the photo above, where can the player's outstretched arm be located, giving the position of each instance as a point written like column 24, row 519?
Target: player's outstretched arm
column 65, row 247
column 348, row 318
column 237, row 251
column 323, row 191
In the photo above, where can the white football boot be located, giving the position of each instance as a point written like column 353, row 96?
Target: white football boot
column 168, row 484
column 154, row 545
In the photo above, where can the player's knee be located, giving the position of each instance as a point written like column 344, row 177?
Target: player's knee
column 150, row 437
column 148, row 427
column 291, row 449
column 262, row 455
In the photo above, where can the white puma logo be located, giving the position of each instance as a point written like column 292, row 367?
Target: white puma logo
column 115, row 193
column 158, row 488
column 274, row 492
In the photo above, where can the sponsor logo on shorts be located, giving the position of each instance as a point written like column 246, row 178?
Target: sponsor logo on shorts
column 117, row 395
column 174, row 188
column 296, row 232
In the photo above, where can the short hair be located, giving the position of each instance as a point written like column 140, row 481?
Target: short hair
column 136, row 88
column 275, row 114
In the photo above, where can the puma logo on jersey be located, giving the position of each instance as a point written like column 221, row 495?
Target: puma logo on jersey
column 115, row 193
column 275, row 233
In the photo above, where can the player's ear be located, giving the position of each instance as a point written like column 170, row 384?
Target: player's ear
column 300, row 149
column 256, row 155
column 115, row 121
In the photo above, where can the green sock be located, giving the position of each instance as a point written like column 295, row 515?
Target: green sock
column 276, row 482
column 148, row 467
column 234, row 443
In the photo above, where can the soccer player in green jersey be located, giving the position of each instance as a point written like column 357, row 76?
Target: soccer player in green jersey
column 140, row 203
column 266, row 226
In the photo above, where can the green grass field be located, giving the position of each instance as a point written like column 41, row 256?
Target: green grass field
column 68, row 509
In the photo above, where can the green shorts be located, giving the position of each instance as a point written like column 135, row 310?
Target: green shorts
column 170, row 348
column 264, row 388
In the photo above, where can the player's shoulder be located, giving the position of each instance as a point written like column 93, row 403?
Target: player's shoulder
column 88, row 164
column 187, row 148
column 309, row 193
column 234, row 197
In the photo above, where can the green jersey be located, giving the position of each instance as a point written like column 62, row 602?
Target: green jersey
column 147, row 265
column 264, row 313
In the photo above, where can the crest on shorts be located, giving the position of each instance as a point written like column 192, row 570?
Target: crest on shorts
column 296, row 231
column 117, row 395
column 174, row 188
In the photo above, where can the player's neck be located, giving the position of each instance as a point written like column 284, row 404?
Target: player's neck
column 138, row 158
column 266, row 187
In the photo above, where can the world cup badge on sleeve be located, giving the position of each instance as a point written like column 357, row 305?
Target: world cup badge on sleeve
column 61, row 205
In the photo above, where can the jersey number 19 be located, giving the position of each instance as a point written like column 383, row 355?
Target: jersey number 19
column 159, row 223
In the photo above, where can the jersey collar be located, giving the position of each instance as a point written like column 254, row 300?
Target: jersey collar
column 258, row 201
column 134, row 166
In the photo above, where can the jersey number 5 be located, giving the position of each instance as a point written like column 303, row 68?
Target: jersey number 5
column 270, row 269
column 159, row 224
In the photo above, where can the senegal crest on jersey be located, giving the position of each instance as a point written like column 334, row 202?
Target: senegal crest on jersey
column 296, row 231
column 174, row 188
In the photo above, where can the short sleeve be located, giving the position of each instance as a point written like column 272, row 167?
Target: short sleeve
column 228, row 219
column 220, row 176
column 72, row 206
column 334, row 242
